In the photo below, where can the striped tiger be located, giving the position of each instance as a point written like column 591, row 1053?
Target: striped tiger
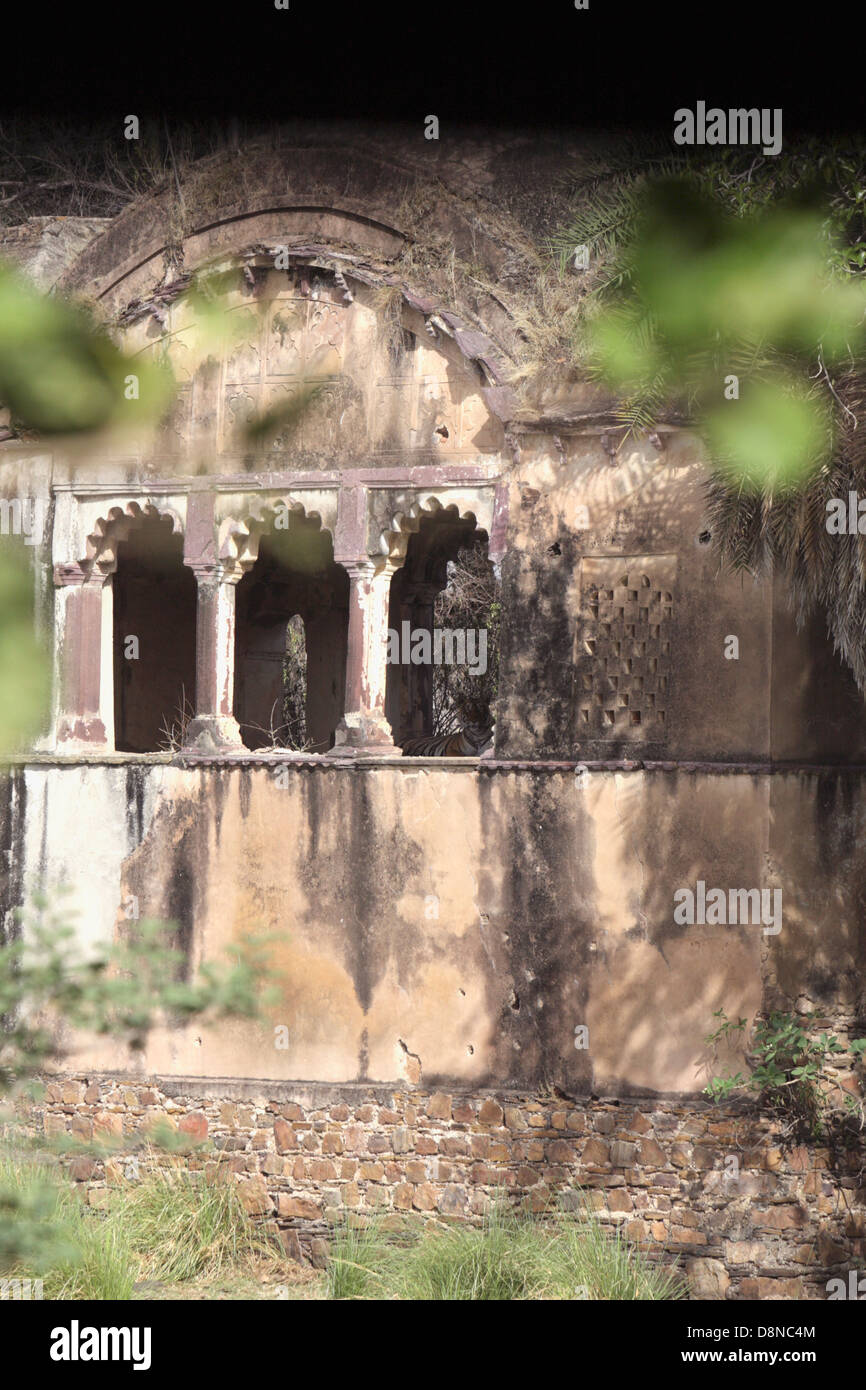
column 475, row 738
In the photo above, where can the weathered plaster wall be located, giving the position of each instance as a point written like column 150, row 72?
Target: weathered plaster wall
column 581, row 499
column 576, row 513
column 440, row 932
column 457, row 924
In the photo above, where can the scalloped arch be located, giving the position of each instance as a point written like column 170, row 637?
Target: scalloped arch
column 239, row 537
column 476, row 507
column 110, row 530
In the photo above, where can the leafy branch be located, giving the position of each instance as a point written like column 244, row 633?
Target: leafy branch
column 789, row 1069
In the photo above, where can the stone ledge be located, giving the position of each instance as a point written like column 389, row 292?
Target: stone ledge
column 325, row 1092
column 322, row 760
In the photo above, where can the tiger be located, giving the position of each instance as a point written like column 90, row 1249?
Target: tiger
column 472, row 741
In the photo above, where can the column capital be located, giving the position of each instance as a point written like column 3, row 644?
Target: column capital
column 215, row 571
column 369, row 567
column 70, row 574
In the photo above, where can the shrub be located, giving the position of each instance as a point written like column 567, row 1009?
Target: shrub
column 790, row 1071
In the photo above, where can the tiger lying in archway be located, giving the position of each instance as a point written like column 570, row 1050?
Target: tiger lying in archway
column 473, row 740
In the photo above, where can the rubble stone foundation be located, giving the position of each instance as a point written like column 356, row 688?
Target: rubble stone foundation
column 746, row 1216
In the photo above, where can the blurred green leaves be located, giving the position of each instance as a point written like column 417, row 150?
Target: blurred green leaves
column 48, row 985
column 25, row 670
column 704, row 296
column 61, row 374
column 776, row 434
column 701, row 272
column 63, row 377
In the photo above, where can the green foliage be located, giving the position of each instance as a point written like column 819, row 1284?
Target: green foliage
column 47, row 1231
column 35, row 1225
column 210, row 1233
column 606, row 195
column 359, row 1255
column 608, row 199
column 708, row 296
column 60, row 373
column 788, row 1068
column 25, row 671
column 512, row 1256
column 48, row 984
column 762, row 280
column 102, row 1266
column 778, row 433
column 173, row 1227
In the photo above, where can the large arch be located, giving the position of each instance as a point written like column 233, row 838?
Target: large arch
column 362, row 205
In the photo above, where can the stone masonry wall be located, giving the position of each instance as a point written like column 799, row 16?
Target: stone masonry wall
column 747, row 1217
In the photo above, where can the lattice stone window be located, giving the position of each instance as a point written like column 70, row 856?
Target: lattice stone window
column 623, row 649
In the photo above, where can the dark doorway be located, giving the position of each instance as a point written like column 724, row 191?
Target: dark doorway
column 154, row 640
column 292, row 620
column 446, row 583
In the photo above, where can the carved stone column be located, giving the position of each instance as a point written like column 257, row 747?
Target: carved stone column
column 364, row 727
column 214, row 726
column 84, row 685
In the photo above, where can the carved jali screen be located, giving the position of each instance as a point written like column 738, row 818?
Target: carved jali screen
column 623, row 649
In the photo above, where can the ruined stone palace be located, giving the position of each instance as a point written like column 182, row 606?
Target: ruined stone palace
column 445, row 927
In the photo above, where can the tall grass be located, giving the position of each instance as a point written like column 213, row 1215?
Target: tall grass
column 173, row 1228
column 506, row 1259
column 55, row 1236
column 359, row 1256
column 601, row 1264
column 180, row 1228
column 103, row 1266
column 512, row 1256
column 169, row 1227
